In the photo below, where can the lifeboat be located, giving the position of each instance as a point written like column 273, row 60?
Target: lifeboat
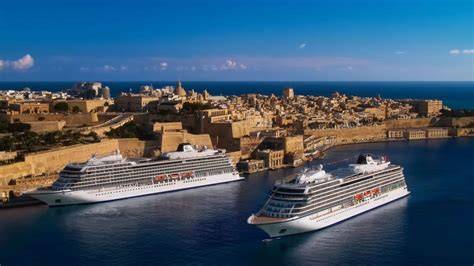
column 367, row 193
column 186, row 175
column 160, row 178
column 174, row 176
column 376, row 190
column 358, row 197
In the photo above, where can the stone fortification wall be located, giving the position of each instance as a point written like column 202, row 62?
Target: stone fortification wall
column 294, row 144
column 5, row 155
column 349, row 135
column 13, row 171
column 170, row 140
column 71, row 119
column 369, row 133
column 456, row 122
column 46, row 126
column 133, row 148
column 409, row 123
column 52, row 161
column 167, row 126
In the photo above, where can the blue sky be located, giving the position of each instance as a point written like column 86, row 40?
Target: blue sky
column 237, row 40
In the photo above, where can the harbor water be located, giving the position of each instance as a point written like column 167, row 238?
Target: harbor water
column 207, row 226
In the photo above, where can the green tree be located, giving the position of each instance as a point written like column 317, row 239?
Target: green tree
column 131, row 130
column 61, row 107
column 3, row 127
column 193, row 107
column 18, row 127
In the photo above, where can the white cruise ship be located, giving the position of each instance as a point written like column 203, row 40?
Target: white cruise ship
column 317, row 199
column 114, row 177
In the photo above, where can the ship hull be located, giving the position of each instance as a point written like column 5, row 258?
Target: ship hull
column 72, row 197
column 314, row 222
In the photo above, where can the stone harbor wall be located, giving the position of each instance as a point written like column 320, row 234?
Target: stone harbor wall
column 52, row 161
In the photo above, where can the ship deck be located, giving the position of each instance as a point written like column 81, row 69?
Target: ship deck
column 266, row 220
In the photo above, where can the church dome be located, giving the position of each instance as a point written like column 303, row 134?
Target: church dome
column 179, row 90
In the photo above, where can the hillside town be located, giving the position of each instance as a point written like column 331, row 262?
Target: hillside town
column 42, row 131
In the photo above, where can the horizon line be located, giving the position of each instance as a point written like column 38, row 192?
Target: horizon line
column 261, row 81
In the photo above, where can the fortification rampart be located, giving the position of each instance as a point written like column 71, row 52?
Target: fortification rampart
column 72, row 120
column 52, row 161
column 171, row 139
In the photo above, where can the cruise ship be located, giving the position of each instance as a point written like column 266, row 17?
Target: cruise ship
column 114, row 177
column 316, row 199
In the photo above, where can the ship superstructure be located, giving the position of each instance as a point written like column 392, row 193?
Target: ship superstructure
column 316, row 199
column 114, row 177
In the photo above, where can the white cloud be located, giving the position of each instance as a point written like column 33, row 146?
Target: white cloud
column 459, row 51
column 23, row 63
column 163, row 65
column 231, row 64
column 108, row 68
column 454, row 52
column 123, row 68
column 303, row 45
column 349, row 68
column 84, row 69
column 400, row 52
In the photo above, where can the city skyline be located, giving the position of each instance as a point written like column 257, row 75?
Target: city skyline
column 212, row 40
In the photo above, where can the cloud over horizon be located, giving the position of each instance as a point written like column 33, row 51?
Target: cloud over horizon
column 231, row 64
column 23, row 63
column 163, row 65
column 464, row 51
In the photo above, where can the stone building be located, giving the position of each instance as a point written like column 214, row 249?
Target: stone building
column 294, row 150
column 29, row 108
column 134, row 102
column 395, row 133
column 179, row 90
column 160, row 127
column 86, row 106
column 294, row 144
column 273, row 159
column 415, row 134
column 437, row 132
column 251, row 166
column 91, row 90
column 288, row 93
column 427, row 108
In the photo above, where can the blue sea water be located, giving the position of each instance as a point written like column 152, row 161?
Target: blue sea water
column 207, row 226
column 454, row 94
